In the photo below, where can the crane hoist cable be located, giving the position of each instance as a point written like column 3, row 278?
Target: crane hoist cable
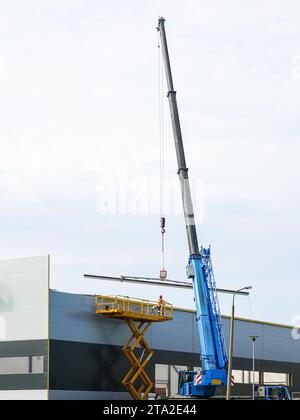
column 161, row 133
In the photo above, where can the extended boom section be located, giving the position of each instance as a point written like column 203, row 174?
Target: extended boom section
column 213, row 349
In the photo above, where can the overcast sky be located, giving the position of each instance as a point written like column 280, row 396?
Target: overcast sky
column 79, row 138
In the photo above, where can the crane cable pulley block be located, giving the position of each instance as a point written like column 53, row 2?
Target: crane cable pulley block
column 163, row 271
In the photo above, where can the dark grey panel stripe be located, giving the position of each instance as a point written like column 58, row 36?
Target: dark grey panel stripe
column 192, row 359
column 23, row 382
column 87, row 367
column 23, row 348
column 98, row 367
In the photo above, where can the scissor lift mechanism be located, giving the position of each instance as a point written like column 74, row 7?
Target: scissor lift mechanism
column 139, row 316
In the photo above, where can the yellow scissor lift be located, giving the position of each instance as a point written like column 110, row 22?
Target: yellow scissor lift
column 139, row 315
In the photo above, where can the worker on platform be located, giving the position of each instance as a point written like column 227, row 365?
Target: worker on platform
column 161, row 304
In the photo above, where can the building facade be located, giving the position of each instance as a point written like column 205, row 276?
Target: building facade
column 86, row 359
column 24, row 328
column 53, row 344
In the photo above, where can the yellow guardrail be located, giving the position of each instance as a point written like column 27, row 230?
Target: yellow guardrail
column 126, row 305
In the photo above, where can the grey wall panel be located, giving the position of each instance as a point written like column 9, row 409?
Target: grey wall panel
column 87, row 395
column 172, row 328
column 24, row 348
column 23, row 382
column 73, row 318
column 274, row 342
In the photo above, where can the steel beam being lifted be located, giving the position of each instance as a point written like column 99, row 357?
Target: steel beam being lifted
column 157, row 282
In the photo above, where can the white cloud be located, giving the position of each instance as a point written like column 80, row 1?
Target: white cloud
column 78, row 102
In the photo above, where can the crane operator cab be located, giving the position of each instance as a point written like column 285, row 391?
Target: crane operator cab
column 186, row 380
column 199, row 384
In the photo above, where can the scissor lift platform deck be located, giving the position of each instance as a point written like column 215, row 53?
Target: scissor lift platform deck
column 123, row 307
column 139, row 316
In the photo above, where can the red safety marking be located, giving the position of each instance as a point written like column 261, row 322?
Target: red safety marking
column 198, row 378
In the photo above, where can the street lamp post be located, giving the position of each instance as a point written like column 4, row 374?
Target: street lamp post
column 253, row 338
column 228, row 390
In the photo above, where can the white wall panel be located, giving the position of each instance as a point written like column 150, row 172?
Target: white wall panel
column 24, row 299
column 24, row 395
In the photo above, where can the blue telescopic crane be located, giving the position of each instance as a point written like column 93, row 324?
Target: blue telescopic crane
column 214, row 359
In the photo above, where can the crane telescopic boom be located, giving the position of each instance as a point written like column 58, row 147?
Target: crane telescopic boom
column 182, row 168
column 214, row 358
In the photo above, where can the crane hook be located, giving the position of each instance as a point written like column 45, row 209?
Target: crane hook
column 163, row 273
